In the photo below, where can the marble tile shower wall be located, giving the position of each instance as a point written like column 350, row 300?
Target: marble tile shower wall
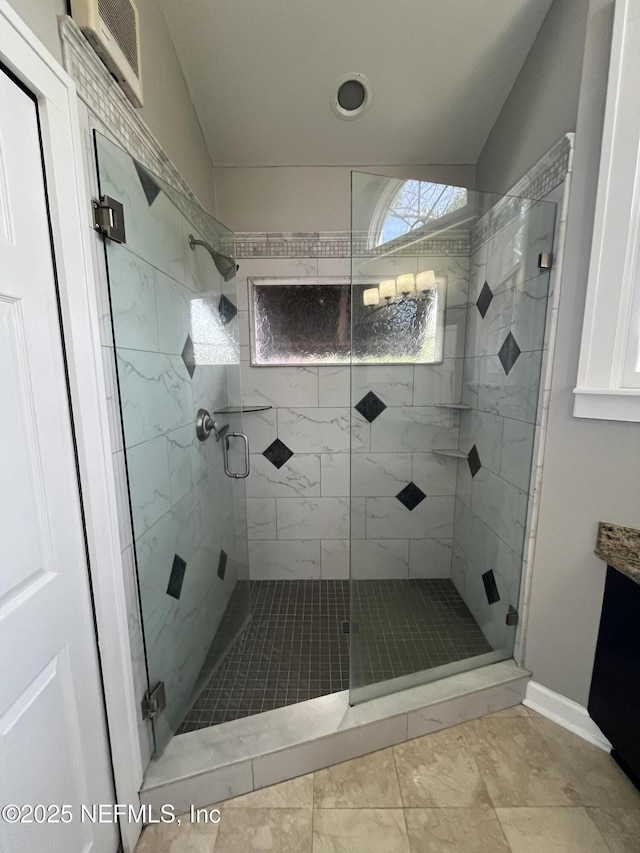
column 298, row 495
column 507, row 310
column 183, row 508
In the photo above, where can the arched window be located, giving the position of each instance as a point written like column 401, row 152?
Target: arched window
column 411, row 205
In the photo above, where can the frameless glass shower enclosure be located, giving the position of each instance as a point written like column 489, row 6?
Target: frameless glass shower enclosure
column 172, row 291
column 449, row 288
column 440, row 330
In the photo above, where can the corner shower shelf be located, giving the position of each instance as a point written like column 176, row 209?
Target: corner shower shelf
column 235, row 410
column 454, row 453
column 462, row 406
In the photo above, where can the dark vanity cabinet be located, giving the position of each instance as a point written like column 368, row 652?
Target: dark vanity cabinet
column 614, row 700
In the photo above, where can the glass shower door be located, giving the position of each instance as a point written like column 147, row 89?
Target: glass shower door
column 172, row 293
column 449, row 303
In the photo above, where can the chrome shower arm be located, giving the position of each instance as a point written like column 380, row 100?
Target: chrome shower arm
column 193, row 243
column 225, row 265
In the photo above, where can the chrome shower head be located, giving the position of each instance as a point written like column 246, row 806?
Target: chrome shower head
column 225, row 265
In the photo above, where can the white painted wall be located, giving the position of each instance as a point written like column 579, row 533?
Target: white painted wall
column 543, row 104
column 591, row 467
column 306, row 198
column 168, row 110
column 40, row 15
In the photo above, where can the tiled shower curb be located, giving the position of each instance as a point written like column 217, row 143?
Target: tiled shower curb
column 211, row 765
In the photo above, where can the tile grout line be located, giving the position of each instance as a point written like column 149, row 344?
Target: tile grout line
column 475, row 763
column 499, row 822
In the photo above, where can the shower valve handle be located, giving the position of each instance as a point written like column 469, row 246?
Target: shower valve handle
column 205, row 425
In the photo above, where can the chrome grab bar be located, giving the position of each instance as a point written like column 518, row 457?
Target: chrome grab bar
column 225, row 450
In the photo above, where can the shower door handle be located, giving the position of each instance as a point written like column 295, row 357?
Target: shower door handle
column 225, row 447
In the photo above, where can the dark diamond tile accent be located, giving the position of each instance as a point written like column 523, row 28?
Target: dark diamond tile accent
column 227, row 309
column 222, row 564
column 509, row 353
column 484, row 300
column 149, row 185
column 490, row 588
column 474, row 461
column 278, row 453
column 177, row 577
column 188, row 356
column 370, row 406
column 411, row 496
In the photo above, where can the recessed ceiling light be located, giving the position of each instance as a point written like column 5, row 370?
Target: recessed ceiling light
column 352, row 96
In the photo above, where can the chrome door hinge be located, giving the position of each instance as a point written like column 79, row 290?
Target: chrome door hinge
column 512, row 617
column 545, row 260
column 154, row 702
column 108, row 218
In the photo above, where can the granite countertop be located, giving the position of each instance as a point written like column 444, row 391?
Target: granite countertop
column 619, row 547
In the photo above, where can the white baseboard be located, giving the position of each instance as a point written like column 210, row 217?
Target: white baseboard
column 566, row 713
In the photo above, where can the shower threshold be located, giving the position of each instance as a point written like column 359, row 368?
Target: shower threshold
column 213, row 764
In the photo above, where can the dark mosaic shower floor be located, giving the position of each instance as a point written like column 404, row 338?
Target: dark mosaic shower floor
column 295, row 648
column 405, row 626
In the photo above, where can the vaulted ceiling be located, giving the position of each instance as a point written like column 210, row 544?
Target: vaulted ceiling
column 261, row 74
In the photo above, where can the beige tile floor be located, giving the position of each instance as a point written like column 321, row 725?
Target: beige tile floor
column 511, row 781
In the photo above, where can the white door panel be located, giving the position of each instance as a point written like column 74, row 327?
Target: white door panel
column 21, row 538
column 53, row 744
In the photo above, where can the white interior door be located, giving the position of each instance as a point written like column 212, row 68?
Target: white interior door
column 53, row 742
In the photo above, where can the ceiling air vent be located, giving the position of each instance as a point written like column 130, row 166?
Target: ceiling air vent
column 112, row 28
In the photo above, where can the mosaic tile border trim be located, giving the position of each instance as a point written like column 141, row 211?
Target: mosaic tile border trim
column 104, row 98
column 337, row 244
column 102, row 95
column 548, row 173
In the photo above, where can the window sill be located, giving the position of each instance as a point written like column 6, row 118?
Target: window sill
column 615, row 404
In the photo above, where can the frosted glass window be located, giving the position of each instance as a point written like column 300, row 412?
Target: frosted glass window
column 328, row 322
